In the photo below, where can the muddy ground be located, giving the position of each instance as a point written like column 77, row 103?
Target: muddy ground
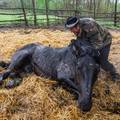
column 35, row 98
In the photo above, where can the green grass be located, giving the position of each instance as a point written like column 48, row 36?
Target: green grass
column 8, row 17
column 41, row 19
column 108, row 23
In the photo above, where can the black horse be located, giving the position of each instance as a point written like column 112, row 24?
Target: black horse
column 73, row 65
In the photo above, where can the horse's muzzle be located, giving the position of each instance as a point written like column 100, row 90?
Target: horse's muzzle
column 85, row 103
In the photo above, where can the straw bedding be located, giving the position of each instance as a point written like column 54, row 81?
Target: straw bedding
column 37, row 98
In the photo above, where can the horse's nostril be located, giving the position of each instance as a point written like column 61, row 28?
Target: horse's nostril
column 85, row 105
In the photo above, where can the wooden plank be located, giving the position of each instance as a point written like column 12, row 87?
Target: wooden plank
column 38, row 9
column 70, row 10
column 11, row 13
column 12, row 20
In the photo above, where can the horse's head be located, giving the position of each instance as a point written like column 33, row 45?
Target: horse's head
column 87, row 71
column 81, row 47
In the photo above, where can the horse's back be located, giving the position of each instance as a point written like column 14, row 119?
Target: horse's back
column 46, row 59
column 28, row 47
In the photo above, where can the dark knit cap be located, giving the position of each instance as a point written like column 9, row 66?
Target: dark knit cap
column 71, row 22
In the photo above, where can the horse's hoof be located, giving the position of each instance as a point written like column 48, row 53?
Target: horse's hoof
column 9, row 84
column 18, row 81
column 13, row 83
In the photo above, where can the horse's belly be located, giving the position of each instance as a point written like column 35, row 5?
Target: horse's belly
column 43, row 70
column 43, row 66
column 49, row 62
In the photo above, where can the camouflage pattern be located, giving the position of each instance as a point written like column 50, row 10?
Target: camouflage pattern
column 96, row 34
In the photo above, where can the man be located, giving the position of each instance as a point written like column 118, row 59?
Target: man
column 98, row 37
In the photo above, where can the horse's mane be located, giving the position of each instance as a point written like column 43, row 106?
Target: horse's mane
column 80, row 43
column 82, row 46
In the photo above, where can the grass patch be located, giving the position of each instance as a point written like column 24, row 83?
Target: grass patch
column 41, row 20
column 108, row 23
column 9, row 17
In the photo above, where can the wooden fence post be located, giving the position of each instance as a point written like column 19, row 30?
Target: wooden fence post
column 115, row 14
column 76, row 9
column 24, row 13
column 94, row 9
column 46, row 6
column 34, row 12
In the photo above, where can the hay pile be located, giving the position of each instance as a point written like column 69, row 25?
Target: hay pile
column 35, row 98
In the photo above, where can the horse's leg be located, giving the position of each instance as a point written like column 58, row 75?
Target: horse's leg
column 4, row 64
column 64, row 76
column 28, row 68
column 71, row 84
column 17, row 62
column 16, row 78
column 4, row 75
column 14, row 81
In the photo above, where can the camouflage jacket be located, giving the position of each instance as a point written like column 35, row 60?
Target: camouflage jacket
column 94, row 33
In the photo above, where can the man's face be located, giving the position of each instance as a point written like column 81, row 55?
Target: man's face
column 75, row 30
